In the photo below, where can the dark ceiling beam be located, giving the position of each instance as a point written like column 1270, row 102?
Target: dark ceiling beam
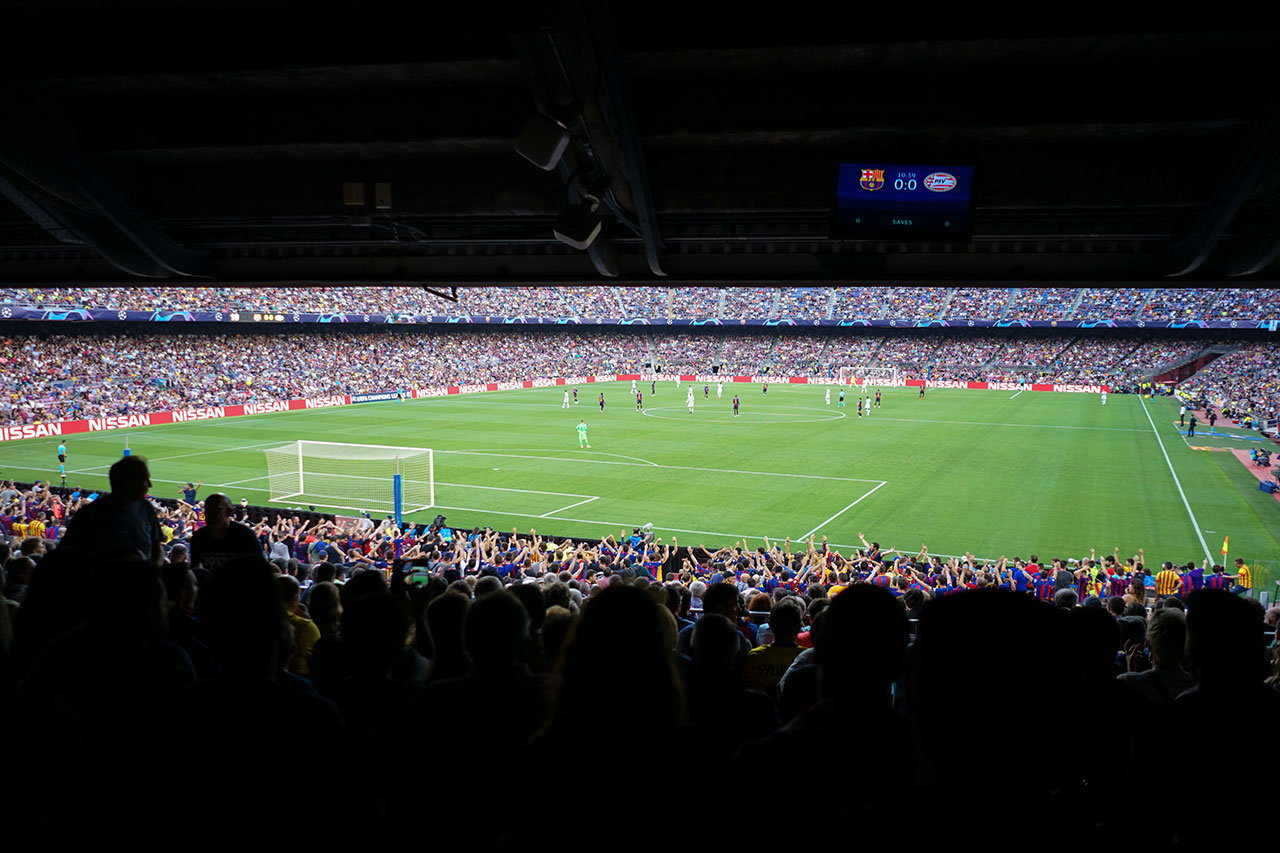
column 1230, row 195
column 55, row 185
column 555, row 266
column 622, row 113
column 1257, row 255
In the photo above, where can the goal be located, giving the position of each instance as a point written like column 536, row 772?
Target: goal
column 362, row 477
column 873, row 375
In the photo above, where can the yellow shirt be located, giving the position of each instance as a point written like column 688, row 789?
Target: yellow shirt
column 1244, row 577
column 765, row 665
column 36, row 529
column 305, row 634
column 1166, row 582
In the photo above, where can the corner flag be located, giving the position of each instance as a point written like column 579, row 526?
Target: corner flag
column 1224, row 545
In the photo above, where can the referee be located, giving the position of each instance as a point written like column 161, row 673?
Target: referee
column 62, row 460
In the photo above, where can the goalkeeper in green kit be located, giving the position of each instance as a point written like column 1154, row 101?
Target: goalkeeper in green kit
column 582, row 434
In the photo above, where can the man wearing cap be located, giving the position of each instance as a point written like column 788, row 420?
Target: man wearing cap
column 189, row 493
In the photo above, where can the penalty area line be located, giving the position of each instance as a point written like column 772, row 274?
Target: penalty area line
column 570, row 506
column 804, row 536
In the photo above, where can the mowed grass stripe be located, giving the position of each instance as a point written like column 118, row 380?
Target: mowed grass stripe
column 1046, row 473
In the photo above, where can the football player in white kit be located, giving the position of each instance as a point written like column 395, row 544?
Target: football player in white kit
column 689, row 399
column 565, row 404
column 828, row 396
column 719, row 389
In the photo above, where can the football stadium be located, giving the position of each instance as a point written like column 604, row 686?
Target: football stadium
column 626, row 409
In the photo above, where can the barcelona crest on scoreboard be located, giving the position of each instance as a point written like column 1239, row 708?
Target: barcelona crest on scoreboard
column 872, row 179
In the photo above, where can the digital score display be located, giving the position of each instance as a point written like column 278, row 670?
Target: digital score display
column 880, row 200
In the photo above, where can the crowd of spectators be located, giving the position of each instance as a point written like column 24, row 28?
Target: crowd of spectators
column 1242, row 383
column 746, row 355
column 1091, row 360
column 860, row 303
column 906, row 352
column 978, row 303
column 803, row 303
column 409, row 663
column 1178, row 304
column 511, row 302
column 968, row 350
column 853, row 351
column 1153, row 356
column 748, row 302
column 686, row 354
column 592, row 301
column 695, row 303
column 1032, row 350
column 650, row 302
column 915, row 303
column 1110, row 303
column 70, row 377
column 798, row 355
column 1246, row 304
column 1043, row 303
column 274, row 300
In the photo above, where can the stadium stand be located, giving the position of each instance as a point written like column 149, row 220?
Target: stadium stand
column 1043, row 303
column 64, row 377
column 987, row 303
column 748, row 302
column 803, row 303
column 656, row 303
column 1106, row 303
column 695, row 302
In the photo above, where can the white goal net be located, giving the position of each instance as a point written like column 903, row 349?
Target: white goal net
column 361, row 477
column 872, row 375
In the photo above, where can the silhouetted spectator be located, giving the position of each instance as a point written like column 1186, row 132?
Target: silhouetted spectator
column 122, row 524
column 728, row 713
column 221, row 540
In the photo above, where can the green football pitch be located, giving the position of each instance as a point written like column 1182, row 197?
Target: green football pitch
column 989, row 472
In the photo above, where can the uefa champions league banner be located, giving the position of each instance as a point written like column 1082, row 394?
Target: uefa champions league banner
column 201, row 413
column 13, row 312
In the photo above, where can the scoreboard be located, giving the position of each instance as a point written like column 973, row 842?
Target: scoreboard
column 920, row 202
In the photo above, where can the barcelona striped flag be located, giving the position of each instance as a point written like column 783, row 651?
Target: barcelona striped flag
column 1224, row 545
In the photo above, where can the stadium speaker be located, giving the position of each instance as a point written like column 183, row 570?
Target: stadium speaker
column 542, row 142
column 578, row 225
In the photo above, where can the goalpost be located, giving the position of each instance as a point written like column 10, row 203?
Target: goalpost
column 362, row 477
column 873, row 375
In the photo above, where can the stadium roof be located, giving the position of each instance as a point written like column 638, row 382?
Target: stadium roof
column 250, row 141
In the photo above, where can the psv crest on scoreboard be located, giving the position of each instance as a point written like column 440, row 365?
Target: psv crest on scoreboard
column 872, row 179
